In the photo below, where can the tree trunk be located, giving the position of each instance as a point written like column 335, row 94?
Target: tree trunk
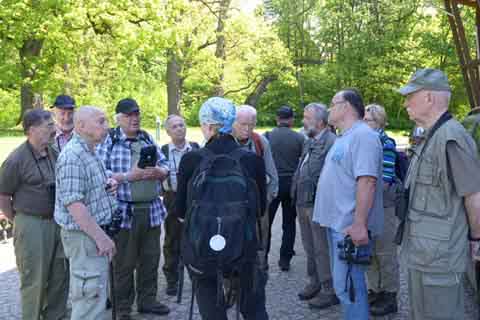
column 220, row 47
column 174, row 84
column 30, row 50
column 260, row 89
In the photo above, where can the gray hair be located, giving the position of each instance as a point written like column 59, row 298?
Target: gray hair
column 245, row 108
column 34, row 118
column 320, row 110
column 170, row 117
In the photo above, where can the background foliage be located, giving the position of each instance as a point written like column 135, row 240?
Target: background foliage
column 285, row 52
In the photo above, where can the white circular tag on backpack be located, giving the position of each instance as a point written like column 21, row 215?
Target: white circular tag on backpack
column 217, row 243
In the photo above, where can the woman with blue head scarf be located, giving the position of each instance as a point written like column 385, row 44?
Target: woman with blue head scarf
column 216, row 117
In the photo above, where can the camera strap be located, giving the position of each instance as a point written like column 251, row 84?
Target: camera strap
column 38, row 165
column 349, row 287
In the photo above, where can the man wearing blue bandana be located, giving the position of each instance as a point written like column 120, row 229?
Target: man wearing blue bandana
column 217, row 116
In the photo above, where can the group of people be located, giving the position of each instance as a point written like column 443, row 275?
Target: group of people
column 66, row 183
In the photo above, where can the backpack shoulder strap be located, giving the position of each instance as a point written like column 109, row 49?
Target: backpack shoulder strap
column 114, row 134
column 257, row 141
column 165, row 150
column 194, row 145
column 143, row 135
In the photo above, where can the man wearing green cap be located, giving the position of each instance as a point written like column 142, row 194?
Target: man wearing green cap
column 444, row 201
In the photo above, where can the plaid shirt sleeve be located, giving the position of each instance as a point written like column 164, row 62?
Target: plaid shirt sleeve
column 70, row 179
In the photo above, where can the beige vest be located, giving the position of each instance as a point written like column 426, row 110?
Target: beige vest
column 435, row 238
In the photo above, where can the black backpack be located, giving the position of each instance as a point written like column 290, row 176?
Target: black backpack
column 220, row 225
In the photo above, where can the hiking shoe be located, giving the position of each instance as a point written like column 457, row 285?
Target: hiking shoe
column 284, row 264
column 384, row 305
column 155, row 308
column 172, row 289
column 309, row 292
column 373, row 296
column 323, row 300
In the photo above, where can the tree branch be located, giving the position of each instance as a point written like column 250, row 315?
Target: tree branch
column 248, row 86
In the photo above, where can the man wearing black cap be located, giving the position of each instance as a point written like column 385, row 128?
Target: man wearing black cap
column 141, row 208
column 286, row 147
column 63, row 109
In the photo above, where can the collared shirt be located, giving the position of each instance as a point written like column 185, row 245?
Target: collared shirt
column 174, row 156
column 118, row 159
column 26, row 176
column 61, row 139
column 81, row 177
column 355, row 153
column 317, row 137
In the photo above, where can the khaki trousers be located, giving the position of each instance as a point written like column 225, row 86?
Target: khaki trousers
column 138, row 249
column 383, row 274
column 88, row 276
column 435, row 296
column 42, row 267
column 314, row 240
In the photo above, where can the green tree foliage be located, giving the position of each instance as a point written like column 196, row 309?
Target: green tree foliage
column 286, row 52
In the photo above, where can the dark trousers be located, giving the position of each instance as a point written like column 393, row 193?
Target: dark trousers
column 252, row 306
column 138, row 249
column 173, row 237
column 289, row 215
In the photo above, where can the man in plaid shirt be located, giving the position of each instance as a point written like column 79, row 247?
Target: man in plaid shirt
column 143, row 212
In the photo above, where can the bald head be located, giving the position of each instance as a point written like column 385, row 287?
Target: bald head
column 91, row 124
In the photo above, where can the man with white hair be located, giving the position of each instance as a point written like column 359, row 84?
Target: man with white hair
column 444, row 201
column 84, row 207
column 243, row 131
column 141, row 208
column 319, row 289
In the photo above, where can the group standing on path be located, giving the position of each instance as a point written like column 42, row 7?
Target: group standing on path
column 342, row 177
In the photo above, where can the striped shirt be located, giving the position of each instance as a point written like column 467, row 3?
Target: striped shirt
column 389, row 156
column 118, row 159
column 81, row 177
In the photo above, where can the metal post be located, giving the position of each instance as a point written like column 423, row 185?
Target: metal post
column 157, row 131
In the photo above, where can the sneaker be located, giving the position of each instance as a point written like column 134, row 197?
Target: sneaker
column 284, row 264
column 323, row 301
column 309, row 292
column 155, row 308
column 172, row 289
column 373, row 296
column 386, row 304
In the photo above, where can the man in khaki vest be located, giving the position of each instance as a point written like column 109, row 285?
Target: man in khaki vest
column 444, row 205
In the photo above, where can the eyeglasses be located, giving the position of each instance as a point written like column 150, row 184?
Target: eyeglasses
column 333, row 104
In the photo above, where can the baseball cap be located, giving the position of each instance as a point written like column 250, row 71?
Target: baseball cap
column 127, row 105
column 285, row 112
column 64, row 101
column 426, row 79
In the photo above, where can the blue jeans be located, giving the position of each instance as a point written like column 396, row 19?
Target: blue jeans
column 357, row 310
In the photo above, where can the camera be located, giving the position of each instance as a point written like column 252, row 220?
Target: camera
column 351, row 253
column 114, row 227
column 148, row 157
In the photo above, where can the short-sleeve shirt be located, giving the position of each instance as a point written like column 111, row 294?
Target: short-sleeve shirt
column 464, row 169
column 25, row 175
column 81, row 177
column 355, row 153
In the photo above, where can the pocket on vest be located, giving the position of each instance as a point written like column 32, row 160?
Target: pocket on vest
column 429, row 195
column 429, row 242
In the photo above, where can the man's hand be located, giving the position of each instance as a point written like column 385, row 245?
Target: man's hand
column 155, row 173
column 358, row 233
column 112, row 186
column 106, row 247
